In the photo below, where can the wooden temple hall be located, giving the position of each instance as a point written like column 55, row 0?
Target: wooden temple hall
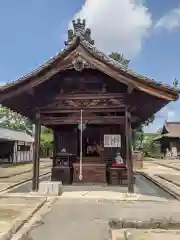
column 92, row 103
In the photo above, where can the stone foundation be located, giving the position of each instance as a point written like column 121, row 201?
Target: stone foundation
column 50, row 188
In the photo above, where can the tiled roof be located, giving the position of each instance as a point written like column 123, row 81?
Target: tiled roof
column 167, row 135
column 14, row 135
column 173, row 128
column 103, row 57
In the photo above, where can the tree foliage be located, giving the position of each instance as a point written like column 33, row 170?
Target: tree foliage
column 46, row 141
column 11, row 119
column 119, row 58
column 176, row 84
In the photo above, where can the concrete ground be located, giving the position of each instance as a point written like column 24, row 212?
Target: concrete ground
column 88, row 219
column 15, row 175
column 144, row 189
column 131, row 234
column 83, row 211
column 6, row 172
column 84, row 217
column 17, row 180
column 166, row 176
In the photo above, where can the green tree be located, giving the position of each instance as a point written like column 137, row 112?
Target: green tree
column 11, row 119
column 175, row 83
column 119, row 58
column 138, row 134
column 46, row 142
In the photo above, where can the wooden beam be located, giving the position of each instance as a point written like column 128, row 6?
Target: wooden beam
column 88, row 119
column 87, row 110
column 72, row 122
column 62, row 108
column 91, row 96
column 36, row 153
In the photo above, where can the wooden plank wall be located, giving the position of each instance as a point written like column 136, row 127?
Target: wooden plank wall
column 66, row 139
column 109, row 153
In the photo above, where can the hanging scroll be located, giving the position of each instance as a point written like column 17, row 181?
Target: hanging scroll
column 112, row 140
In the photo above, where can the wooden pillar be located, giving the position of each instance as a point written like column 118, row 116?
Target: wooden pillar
column 128, row 151
column 36, row 154
column 54, row 148
column 131, row 189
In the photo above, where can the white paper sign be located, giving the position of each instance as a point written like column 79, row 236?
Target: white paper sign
column 112, row 140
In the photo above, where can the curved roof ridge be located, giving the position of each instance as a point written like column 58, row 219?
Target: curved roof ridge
column 121, row 67
column 103, row 57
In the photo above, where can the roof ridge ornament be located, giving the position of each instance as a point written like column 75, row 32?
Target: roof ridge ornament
column 79, row 30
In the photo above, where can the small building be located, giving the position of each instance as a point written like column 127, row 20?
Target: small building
column 169, row 139
column 15, row 146
column 91, row 102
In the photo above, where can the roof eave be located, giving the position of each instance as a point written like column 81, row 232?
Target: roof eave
column 172, row 94
column 42, row 67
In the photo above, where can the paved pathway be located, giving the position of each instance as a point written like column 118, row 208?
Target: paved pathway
column 88, row 219
column 83, row 212
column 145, row 190
column 135, row 234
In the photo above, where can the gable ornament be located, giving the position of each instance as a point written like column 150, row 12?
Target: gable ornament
column 79, row 64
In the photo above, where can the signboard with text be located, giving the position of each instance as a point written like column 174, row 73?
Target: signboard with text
column 112, row 140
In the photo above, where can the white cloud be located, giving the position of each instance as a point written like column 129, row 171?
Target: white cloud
column 117, row 25
column 170, row 21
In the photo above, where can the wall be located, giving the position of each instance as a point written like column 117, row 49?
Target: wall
column 175, row 143
column 23, row 152
column 6, row 151
column 66, row 137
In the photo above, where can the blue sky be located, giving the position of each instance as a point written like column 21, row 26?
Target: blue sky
column 148, row 34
